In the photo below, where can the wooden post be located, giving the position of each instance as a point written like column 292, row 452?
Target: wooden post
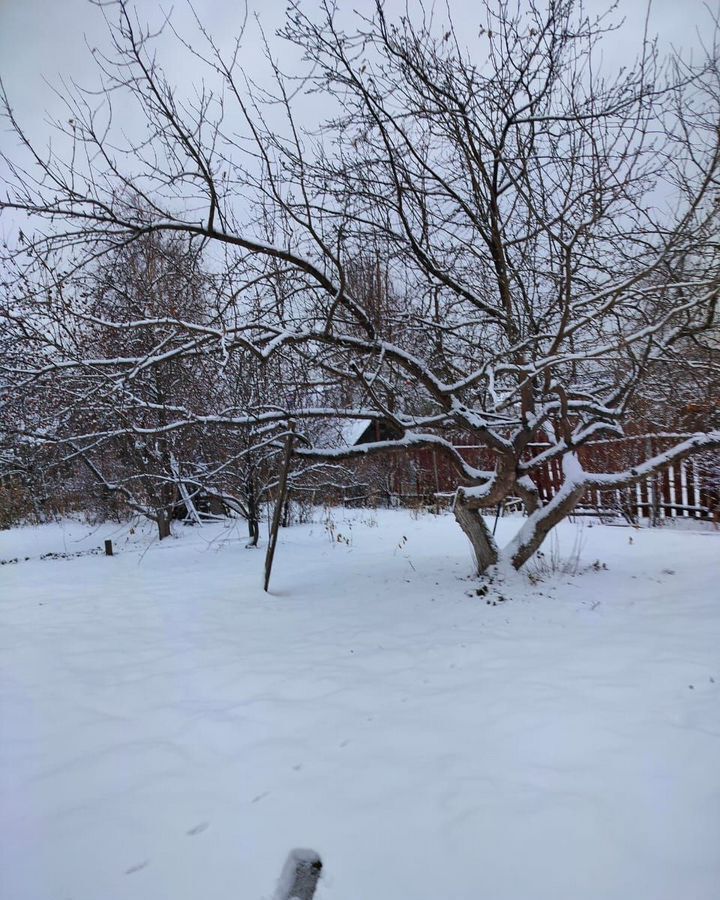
column 279, row 503
column 300, row 876
column 108, row 548
column 497, row 516
column 437, row 483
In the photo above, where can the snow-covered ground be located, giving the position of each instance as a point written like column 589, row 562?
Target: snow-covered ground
column 169, row 731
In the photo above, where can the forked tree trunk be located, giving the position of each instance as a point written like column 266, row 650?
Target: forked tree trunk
column 477, row 532
column 529, row 538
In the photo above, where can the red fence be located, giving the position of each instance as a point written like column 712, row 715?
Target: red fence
column 688, row 489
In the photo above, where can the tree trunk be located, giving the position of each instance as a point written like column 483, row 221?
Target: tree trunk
column 163, row 523
column 537, row 527
column 253, row 513
column 286, row 511
column 477, row 532
column 528, row 493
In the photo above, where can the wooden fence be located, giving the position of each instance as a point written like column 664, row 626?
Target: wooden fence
column 688, row 489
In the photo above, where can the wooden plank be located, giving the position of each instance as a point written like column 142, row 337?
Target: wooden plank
column 279, row 503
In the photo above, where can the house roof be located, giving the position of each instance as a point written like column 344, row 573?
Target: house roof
column 341, row 433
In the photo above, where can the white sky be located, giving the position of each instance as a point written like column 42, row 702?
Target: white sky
column 42, row 41
column 45, row 39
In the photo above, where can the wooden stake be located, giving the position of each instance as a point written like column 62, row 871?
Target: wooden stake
column 280, row 501
column 300, row 876
column 108, row 548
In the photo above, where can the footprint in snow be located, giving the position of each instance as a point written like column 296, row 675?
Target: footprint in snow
column 260, row 797
column 197, row 829
column 137, row 868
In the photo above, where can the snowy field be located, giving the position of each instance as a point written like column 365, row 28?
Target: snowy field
column 168, row 732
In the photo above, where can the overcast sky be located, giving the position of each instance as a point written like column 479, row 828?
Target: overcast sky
column 42, row 41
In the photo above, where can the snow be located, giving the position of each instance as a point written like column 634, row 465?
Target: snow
column 341, row 433
column 170, row 731
column 352, row 430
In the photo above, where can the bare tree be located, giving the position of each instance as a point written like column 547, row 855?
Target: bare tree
column 98, row 383
column 551, row 229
